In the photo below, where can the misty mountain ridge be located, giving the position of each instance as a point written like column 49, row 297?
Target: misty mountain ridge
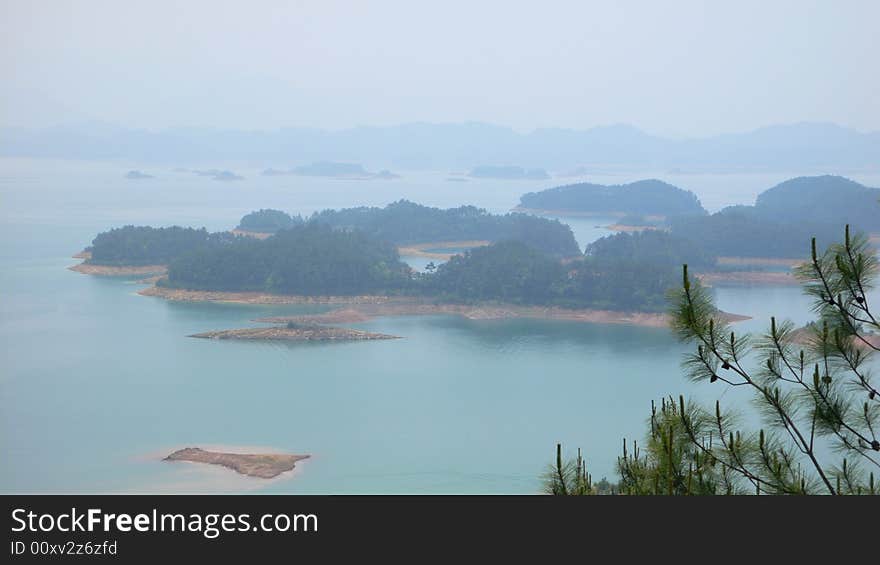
column 461, row 146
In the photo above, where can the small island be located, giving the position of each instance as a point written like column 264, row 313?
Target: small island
column 270, row 172
column 358, row 258
column 385, row 174
column 650, row 197
column 259, row 465
column 138, row 175
column 219, row 175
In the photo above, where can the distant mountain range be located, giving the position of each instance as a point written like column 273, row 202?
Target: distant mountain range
column 802, row 147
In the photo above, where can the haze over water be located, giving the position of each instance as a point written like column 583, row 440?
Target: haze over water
column 99, row 383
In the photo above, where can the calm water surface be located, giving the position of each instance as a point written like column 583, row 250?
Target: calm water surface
column 97, row 383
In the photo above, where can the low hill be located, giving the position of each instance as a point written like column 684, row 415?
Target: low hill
column 833, row 199
column 404, row 222
column 645, row 197
column 268, row 221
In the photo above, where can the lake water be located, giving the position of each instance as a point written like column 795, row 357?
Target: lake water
column 98, row 383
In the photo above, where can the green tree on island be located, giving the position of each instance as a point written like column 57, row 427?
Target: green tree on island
column 812, row 387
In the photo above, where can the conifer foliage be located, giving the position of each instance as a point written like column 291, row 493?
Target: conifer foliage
column 812, row 387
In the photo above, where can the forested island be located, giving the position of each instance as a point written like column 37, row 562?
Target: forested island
column 644, row 198
column 218, row 175
column 528, row 261
column 827, row 199
column 782, row 218
column 267, row 221
column 316, row 259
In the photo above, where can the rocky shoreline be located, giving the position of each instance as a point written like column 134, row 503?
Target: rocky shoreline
column 119, row 271
column 364, row 313
column 309, row 332
column 87, row 268
column 354, row 309
column 260, row 465
column 253, row 234
column 761, row 261
column 184, row 295
column 782, row 278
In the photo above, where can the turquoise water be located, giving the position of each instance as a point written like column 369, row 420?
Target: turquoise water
column 98, row 383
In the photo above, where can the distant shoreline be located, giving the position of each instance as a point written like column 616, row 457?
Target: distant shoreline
column 568, row 213
column 410, row 250
column 769, row 261
column 420, row 249
column 628, row 228
column 775, row 278
column 584, row 214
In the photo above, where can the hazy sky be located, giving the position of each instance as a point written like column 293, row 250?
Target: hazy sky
column 669, row 67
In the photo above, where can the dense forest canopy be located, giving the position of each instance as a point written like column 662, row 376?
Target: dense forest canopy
column 268, row 221
column 626, row 272
column 508, row 271
column 650, row 247
column 825, row 199
column 775, row 227
column 514, row 273
column 144, row 245
column 310, row 259
column 645, row 197
column 741, row 231
column 623, row 284
column 405, row 222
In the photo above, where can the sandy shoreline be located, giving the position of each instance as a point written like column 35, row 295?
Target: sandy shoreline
column 568, row 213
column 253, row 234
column 420, row 249
column 780, row 278
column 119, row 271
column 483, row 312
column 260, row 465
column 362, row 308
column 763, row 261
column 183, row 295
column 584, row 214
column 629, row 229
column 306, row 333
